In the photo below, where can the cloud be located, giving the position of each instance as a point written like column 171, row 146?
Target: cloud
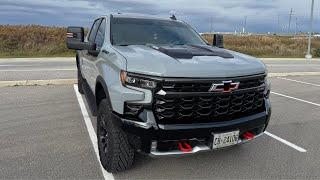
column 226, row 15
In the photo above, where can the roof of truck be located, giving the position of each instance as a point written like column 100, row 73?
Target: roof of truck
column 138, row 16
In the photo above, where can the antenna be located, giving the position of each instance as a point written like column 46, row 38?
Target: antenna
column 173, row 17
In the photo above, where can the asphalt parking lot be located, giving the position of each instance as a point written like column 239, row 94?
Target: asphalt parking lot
column 44, row 134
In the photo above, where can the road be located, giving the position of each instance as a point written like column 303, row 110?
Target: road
column 65, row 68
column 292, row 66
column 43, row 135
column 37, row 69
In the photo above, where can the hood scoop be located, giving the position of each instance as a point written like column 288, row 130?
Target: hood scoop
column 188, row 51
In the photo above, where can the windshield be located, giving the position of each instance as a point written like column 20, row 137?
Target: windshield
column 131, row 31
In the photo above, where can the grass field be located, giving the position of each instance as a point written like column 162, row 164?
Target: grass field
column 270, row 46
column 32, row 41
column 42, row 41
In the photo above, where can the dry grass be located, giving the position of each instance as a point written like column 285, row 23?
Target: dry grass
column 36, row 41
column 270, row 46
column 32, row 40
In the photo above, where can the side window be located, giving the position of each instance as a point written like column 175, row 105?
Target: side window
column 94, row 29
column 100, row 34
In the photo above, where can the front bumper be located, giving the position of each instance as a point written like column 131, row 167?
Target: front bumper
column 159, row 139
column 195, row 149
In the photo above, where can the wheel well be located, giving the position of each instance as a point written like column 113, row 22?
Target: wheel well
column 100, row 93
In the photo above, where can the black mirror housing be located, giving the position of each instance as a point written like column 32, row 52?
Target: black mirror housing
column 94, row 53
column 218, row 40
column 75, row 39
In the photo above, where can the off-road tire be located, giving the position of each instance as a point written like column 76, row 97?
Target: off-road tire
column 80, row 82
column 116, row 154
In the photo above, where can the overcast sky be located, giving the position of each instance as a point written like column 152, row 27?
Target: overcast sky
column 226, row 15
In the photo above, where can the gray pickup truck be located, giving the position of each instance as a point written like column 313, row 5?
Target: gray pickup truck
column 158, row 88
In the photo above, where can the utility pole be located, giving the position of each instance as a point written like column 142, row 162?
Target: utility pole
column 309, row 55
column 211, row 25
column 290, row 16
column 296, row 31
column 278, row 24
column 244, row 25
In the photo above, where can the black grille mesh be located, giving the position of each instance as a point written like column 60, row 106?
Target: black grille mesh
column 204, row 108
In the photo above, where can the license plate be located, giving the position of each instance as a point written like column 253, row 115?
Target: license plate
column 225, row 139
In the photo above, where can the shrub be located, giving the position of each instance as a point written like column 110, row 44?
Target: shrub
column 316, row 52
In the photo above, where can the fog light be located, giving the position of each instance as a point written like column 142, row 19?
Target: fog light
column 132, row 110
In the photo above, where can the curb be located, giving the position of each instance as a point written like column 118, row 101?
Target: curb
column 39, row 59
column 294, row 74
column 38, row 82
column 289, row 59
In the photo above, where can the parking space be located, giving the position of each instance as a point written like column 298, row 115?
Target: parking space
column 43, row 134
column 302, row 88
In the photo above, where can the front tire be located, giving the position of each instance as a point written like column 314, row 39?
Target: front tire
column 115, row 152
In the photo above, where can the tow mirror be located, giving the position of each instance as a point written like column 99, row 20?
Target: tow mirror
column 218, row 40
column 75, row 39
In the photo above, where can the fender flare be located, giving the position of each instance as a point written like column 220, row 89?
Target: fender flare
column 105, row 89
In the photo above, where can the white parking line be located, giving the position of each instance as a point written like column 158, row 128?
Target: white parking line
column 302, row 82
column 92, row 134
column 286, row 142
column 297, row 99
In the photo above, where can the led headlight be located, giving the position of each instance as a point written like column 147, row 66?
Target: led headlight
column 136, row 81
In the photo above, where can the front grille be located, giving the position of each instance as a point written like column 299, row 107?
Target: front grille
column 204, row 85
column 185, row 105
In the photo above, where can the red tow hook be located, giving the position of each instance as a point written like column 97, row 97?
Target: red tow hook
column 248, row 135
column 184, row 146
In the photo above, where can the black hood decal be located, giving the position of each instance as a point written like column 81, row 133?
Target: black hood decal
column 188, row 51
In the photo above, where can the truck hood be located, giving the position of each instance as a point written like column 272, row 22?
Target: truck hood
column 150, row 61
